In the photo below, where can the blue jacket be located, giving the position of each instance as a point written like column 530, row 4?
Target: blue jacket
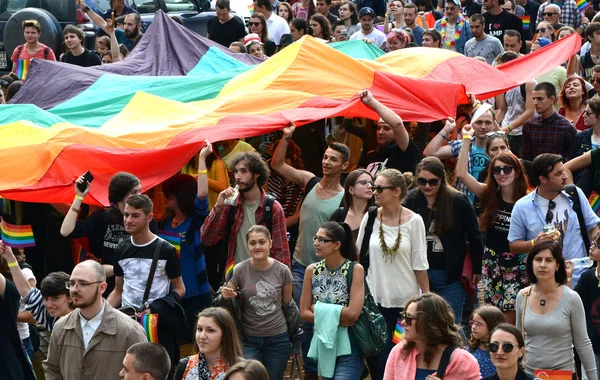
column 464, row 37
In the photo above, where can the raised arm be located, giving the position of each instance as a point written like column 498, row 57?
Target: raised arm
column 23, row 286
column 389, row 117
column 578, row 163
column 300, row 177
column 529, row 108
column 115, row 52
column 202, row 171
column 462, row 164
column 435, row 148
column 68, row 224
column 94, row 17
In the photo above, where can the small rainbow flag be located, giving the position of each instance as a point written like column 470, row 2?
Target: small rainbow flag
column 150, row 324
column 251, row 9
column 526, row 21
column 398, row 332
column 17, row 236
column 22, row 68
column 172, row 237
column 594, row 201
column 582, row 5
column 229, row 270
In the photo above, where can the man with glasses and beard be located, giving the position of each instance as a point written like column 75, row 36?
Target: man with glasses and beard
column 133, row 30
column 547, row 214
column 90, row 342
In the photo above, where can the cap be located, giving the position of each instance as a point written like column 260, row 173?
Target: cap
column 251, row 38
column 479, row 111
column 457, row 2
column 366, row 11
column 286, row 39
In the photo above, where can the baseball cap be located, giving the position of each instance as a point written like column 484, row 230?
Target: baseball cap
column 366, row 11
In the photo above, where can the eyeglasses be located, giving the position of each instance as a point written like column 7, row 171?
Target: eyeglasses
column 321, row 239
column 549, row 14
column 594, row 245
column 379, row 189
column 254, row 23
column 409, row 320
column 80, row 284
column 540, row 30
column 507, row 347
column 474, row 323
column 550, row 214
column 497, row 170
column 364, row 182
column 432, row 182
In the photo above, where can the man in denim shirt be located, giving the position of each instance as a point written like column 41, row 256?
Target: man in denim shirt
column 550, row 205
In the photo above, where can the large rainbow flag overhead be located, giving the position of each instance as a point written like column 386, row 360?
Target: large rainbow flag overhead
column 152, row 125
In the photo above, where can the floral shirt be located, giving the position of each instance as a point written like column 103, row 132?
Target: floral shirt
column 197, row 368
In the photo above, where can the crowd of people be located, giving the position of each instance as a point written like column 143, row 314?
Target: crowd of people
column 464, row 248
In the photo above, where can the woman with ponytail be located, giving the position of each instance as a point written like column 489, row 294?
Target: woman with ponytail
column 332, row 298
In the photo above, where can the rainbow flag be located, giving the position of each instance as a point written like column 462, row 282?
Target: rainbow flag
column 229, row 271
column 251, row 9
column 582, row 5
column 17, row 236
column 594, row 201
column 150, row 324
column 22, row 68
column 526, row 21
column 398, row 332
column 172, row 237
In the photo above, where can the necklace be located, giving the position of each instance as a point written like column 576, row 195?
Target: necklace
column 390, row 252
column 543, row 301
column 460, row 26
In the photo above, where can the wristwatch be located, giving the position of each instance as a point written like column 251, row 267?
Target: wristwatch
column 86, row 9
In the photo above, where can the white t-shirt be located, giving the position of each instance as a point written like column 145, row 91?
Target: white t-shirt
column 21, row 326
column 393, row 282
column 277, row 27
column 376, row 36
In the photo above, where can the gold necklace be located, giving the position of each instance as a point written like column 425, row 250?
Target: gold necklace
column 387, row 251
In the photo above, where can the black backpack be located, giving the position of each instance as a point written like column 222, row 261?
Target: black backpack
column 46, row 51
column 267, row 217
column 572, row 191
column 364, row 247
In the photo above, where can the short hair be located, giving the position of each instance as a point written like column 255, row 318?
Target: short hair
column 411, row 6
column 434, row 34
column 548, row 88
column 96, row 267
column 596, row 68
column 151, row 358
column 55, row 284
column 141, row 202
column 257, row 228
column 32, row 24
column 104, row 40
column 120, row 19
column 120, row 185
column 264, row 3
column 239, row 45
column 544, row 163
column 136, row 17
column 478, row 17
column 594, row 105
column 183, row 187
column 251, row 370
column 342, row 148
column 513, row 4
column 13, row 88
column 560, row 275
column 223, row 4
column 72, row 29
column 256, row 165
column 589, row 31
column 507, row 56
column 512, row 33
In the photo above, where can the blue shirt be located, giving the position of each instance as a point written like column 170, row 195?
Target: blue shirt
column 527, row 221
column 418, row 33
column 485, row 362
column 192, row 260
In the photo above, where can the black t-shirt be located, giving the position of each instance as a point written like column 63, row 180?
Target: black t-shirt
column 132, row 262
column 87, row 59
column 13, row 364
column 396, row 159
column 589, row 291
column 224, row 34
column 496, row 25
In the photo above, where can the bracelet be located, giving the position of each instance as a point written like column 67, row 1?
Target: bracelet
column 569, row 279
column 203, row 171
column 509, row 128
column 466, row 137
column 75, row 209
column 13, row 264
column 444, row 137
column 79, row 197
column 532, row 242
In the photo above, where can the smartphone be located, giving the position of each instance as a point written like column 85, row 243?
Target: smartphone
column 87, row 178
column 344, row 32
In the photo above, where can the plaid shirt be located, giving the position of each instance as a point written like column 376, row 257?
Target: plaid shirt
column 216, row 225
column 552, row 135
column 569, row 14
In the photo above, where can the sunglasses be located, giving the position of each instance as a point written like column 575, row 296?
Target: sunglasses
column 550, row 214
column 549, row 14
column 588, row 112
column 254, row 23
column 432, row 182
column 595, row 80
column 540, row 30
column 408, row 320
column 379, row 189
column 507, row 347
column 497, row 170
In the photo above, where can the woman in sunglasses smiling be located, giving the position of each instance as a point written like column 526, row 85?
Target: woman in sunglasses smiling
column 258, row 25
column 450, row 223
column 503, row 271
column 507, row 348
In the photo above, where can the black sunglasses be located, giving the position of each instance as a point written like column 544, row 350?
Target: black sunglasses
column 549, row 14
column 432, row 182
column 507, row 347
column 550, row 214
column 596, row 80
column 497, row 170
column 379, row 189
column 588, row 112
column 254, row 23
column 407, row 319
column 540, row 30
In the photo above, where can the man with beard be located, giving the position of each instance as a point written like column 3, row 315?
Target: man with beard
column 252, row 206
column 133, row 27
column 90, row 342
column 410, row 18
column 497, row 20
column 482, row 45
column 77, row 54
column 368, row 32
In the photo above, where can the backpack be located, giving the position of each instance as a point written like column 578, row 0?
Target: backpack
column 267, row 217
column 364, row 247
column 46, row 51
column 572, row 191
column 523, row 91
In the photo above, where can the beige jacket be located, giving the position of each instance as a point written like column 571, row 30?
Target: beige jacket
column 103, row 359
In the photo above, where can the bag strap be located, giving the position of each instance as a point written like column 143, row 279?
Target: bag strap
column 151, row 273
column 268, row 213
column 445, row 360
column 20, row 50
column 364, row 247
column 525, row 296
column 574, row 194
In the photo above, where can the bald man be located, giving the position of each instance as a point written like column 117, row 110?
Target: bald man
column 552, row 15
column 90, row 342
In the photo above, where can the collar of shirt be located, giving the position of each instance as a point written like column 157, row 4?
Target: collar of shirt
column 94, row 322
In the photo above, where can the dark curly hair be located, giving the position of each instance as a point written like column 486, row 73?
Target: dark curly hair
column 256, row 165
column 183, row 188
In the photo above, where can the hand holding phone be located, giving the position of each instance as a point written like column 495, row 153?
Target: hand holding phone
column 82, row 185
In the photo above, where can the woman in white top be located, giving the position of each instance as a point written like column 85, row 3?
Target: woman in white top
column 397, row 256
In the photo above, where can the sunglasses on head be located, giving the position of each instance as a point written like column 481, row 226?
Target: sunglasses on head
column 432, row 182
column 495, row 133
column 540, row 30
column 254, row 23
column 507, row 347
column 499, row 169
